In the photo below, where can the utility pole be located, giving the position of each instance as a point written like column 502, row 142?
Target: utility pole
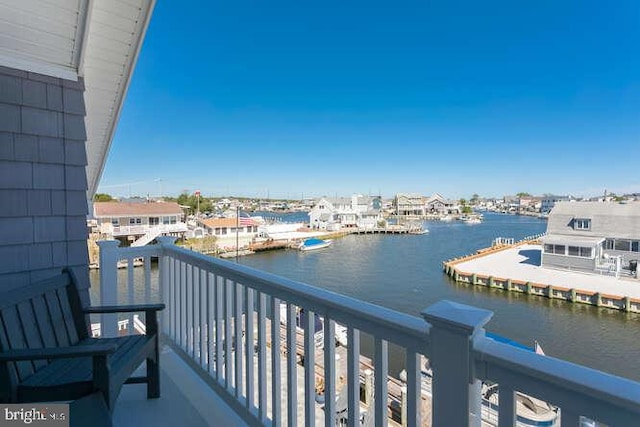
column 237, row 228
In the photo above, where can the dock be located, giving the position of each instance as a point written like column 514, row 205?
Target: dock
column 394, row 385
column 515, row 267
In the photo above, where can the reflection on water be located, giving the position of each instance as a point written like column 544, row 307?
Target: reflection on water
column 404, row 272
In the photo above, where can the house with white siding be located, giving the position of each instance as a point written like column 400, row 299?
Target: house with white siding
column 139, row 223
column 356, row 211
column 592, row 236
column 409, row 204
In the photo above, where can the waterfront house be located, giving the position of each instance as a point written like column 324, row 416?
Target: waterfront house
column 548, row 202
column 405, row 204
column 140, row 222
column 345, row 212
column 437, row 204
column 51, row 159
column 592, row 236
column 228, row 227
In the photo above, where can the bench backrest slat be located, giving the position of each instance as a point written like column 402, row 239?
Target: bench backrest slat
column 57, row 321
column 15, row 335
column 42, row 315
column 43, row 320
column 67, row 315
column 31, row 331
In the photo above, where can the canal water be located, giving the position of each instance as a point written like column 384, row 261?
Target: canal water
column 404, row 273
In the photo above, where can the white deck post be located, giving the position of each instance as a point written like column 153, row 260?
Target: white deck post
column 108, row 285
column 456, row 397
column 164, row 280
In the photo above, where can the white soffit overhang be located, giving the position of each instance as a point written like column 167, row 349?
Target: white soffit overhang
column 95, row 39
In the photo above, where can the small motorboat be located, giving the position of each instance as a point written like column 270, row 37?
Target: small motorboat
column 312, row 244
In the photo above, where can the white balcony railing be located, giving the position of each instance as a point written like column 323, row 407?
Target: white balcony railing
column 225, row 319
column 136, row 230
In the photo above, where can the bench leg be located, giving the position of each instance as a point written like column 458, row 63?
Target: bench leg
column 153, row 378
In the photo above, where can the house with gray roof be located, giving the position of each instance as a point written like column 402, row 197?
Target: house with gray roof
column 592, row 236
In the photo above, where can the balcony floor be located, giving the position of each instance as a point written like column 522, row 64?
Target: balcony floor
column 185, row 400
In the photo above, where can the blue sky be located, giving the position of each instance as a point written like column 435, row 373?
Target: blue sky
column 288, row 99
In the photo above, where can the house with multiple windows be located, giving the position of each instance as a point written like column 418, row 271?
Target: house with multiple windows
column 354, row 211
column 590, row 236
column 140, row 222
column 437, row 204
column 405, row 204
column 224, row 227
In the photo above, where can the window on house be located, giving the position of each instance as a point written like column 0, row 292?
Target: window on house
column 115, row 222
column 579, row 251
column 217, row 231
column 608, row 244
column 581, row 224
column 635, row 246
column 165, row 220
column 133, row 221
column 154, row 220
column 622, row 245
column 554, row 249
column 224, row 230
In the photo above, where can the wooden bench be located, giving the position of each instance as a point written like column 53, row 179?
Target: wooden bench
column 47, row 354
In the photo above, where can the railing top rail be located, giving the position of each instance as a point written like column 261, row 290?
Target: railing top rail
column 139, row 251
column 557, row 381
column 400, row 328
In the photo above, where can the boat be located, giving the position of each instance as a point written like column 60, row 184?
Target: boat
column 531, row 411
column 419, row 231
column 472, row 219
column 312, row 244
column 318, row 324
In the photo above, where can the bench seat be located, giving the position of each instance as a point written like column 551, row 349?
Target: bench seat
column 75, row 376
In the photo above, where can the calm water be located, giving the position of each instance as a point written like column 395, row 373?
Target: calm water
column 404, row 273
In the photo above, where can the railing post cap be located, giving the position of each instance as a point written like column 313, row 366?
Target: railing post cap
column 451, row 314
column 108, row 243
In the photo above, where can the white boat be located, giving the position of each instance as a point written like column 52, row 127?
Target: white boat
column 419, row 231
column 472, row 219
column 531, row 412
column 318, row 335
column 312, row 244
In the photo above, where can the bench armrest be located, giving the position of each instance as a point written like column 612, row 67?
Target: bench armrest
column 125, row 308
column 99, row 349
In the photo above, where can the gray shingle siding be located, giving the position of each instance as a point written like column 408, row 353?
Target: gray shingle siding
column 43, row 182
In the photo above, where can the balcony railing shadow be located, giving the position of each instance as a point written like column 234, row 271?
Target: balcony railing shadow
column 254, row 339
